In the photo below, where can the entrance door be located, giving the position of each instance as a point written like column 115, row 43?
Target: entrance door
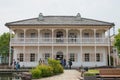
column 59, row 55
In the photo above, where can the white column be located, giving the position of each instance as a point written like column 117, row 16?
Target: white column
column 24, row 51
column 95, row 45
column 10, row 31
column 38, row 36
column 109, row 47
column 52, row 43
column 81, row 52
column 24, row 36
column 38, row 44
column 67, row 44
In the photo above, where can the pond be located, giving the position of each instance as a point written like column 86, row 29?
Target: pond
column 9, row 76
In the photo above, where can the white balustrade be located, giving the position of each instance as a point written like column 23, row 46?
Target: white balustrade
column 59, row 41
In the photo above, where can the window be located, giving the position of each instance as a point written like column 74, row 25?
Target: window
column 98, row 57
column 72, row 57
column 72, row 37
column 47, row 55
column 97, row 35
column 47, row 35
column 86, row 34
column 87, row 57
column 59, row 34
column 32, row 57
column 21, row 35
column 21, row 57
column 72, row 34
column 32, row 35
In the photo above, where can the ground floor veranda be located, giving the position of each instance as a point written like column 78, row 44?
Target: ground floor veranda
column 81, row 56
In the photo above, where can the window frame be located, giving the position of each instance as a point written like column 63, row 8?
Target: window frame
column 97, row 35
column 59, row 34
column 21, row 35
column 32, row 35
column 72, row 37
column 86, row 35
column 46, row 35
column 32, row 57
column 47, row 55
column 21, row 57
column 72, row 57
column 98, row 57
column 87, row 57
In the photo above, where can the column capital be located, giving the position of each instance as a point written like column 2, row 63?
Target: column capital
column 52, row 29
column 38, row 29
column 66, row 29
column 94, row 29
column 24, row 29
column 80, row 29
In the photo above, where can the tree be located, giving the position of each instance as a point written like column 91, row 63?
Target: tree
column 4, row 45
column 117, row 41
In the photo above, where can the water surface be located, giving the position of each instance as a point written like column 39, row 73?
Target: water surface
column 9, row 76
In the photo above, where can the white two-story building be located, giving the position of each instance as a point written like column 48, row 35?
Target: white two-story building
column 85, row 41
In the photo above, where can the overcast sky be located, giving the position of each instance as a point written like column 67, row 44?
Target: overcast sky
column 13, row 10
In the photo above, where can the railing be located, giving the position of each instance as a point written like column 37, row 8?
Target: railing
column 59, row 40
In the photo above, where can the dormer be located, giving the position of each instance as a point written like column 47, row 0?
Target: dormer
column 78, row 17
column 40, row 17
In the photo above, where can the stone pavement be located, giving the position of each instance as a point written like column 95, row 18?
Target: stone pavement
column 67, row 75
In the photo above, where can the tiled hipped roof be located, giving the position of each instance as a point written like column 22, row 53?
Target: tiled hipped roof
column 59, row 20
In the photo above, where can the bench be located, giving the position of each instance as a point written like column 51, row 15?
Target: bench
column 109, row 73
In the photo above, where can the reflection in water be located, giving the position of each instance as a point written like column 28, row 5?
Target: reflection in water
column 7, row 76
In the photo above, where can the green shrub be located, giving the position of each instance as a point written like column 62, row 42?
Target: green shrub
column 53, row 68
column 45, row 70
column 59, row 68
column 36, row 73
column 55, row 64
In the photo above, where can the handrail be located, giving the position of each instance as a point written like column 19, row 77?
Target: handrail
column 60, row 40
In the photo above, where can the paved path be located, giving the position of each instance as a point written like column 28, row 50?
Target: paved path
column 67, row 75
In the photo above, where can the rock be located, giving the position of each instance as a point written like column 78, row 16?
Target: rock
column 26, row 76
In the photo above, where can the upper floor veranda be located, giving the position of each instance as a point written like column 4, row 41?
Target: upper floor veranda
column 61, row 36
